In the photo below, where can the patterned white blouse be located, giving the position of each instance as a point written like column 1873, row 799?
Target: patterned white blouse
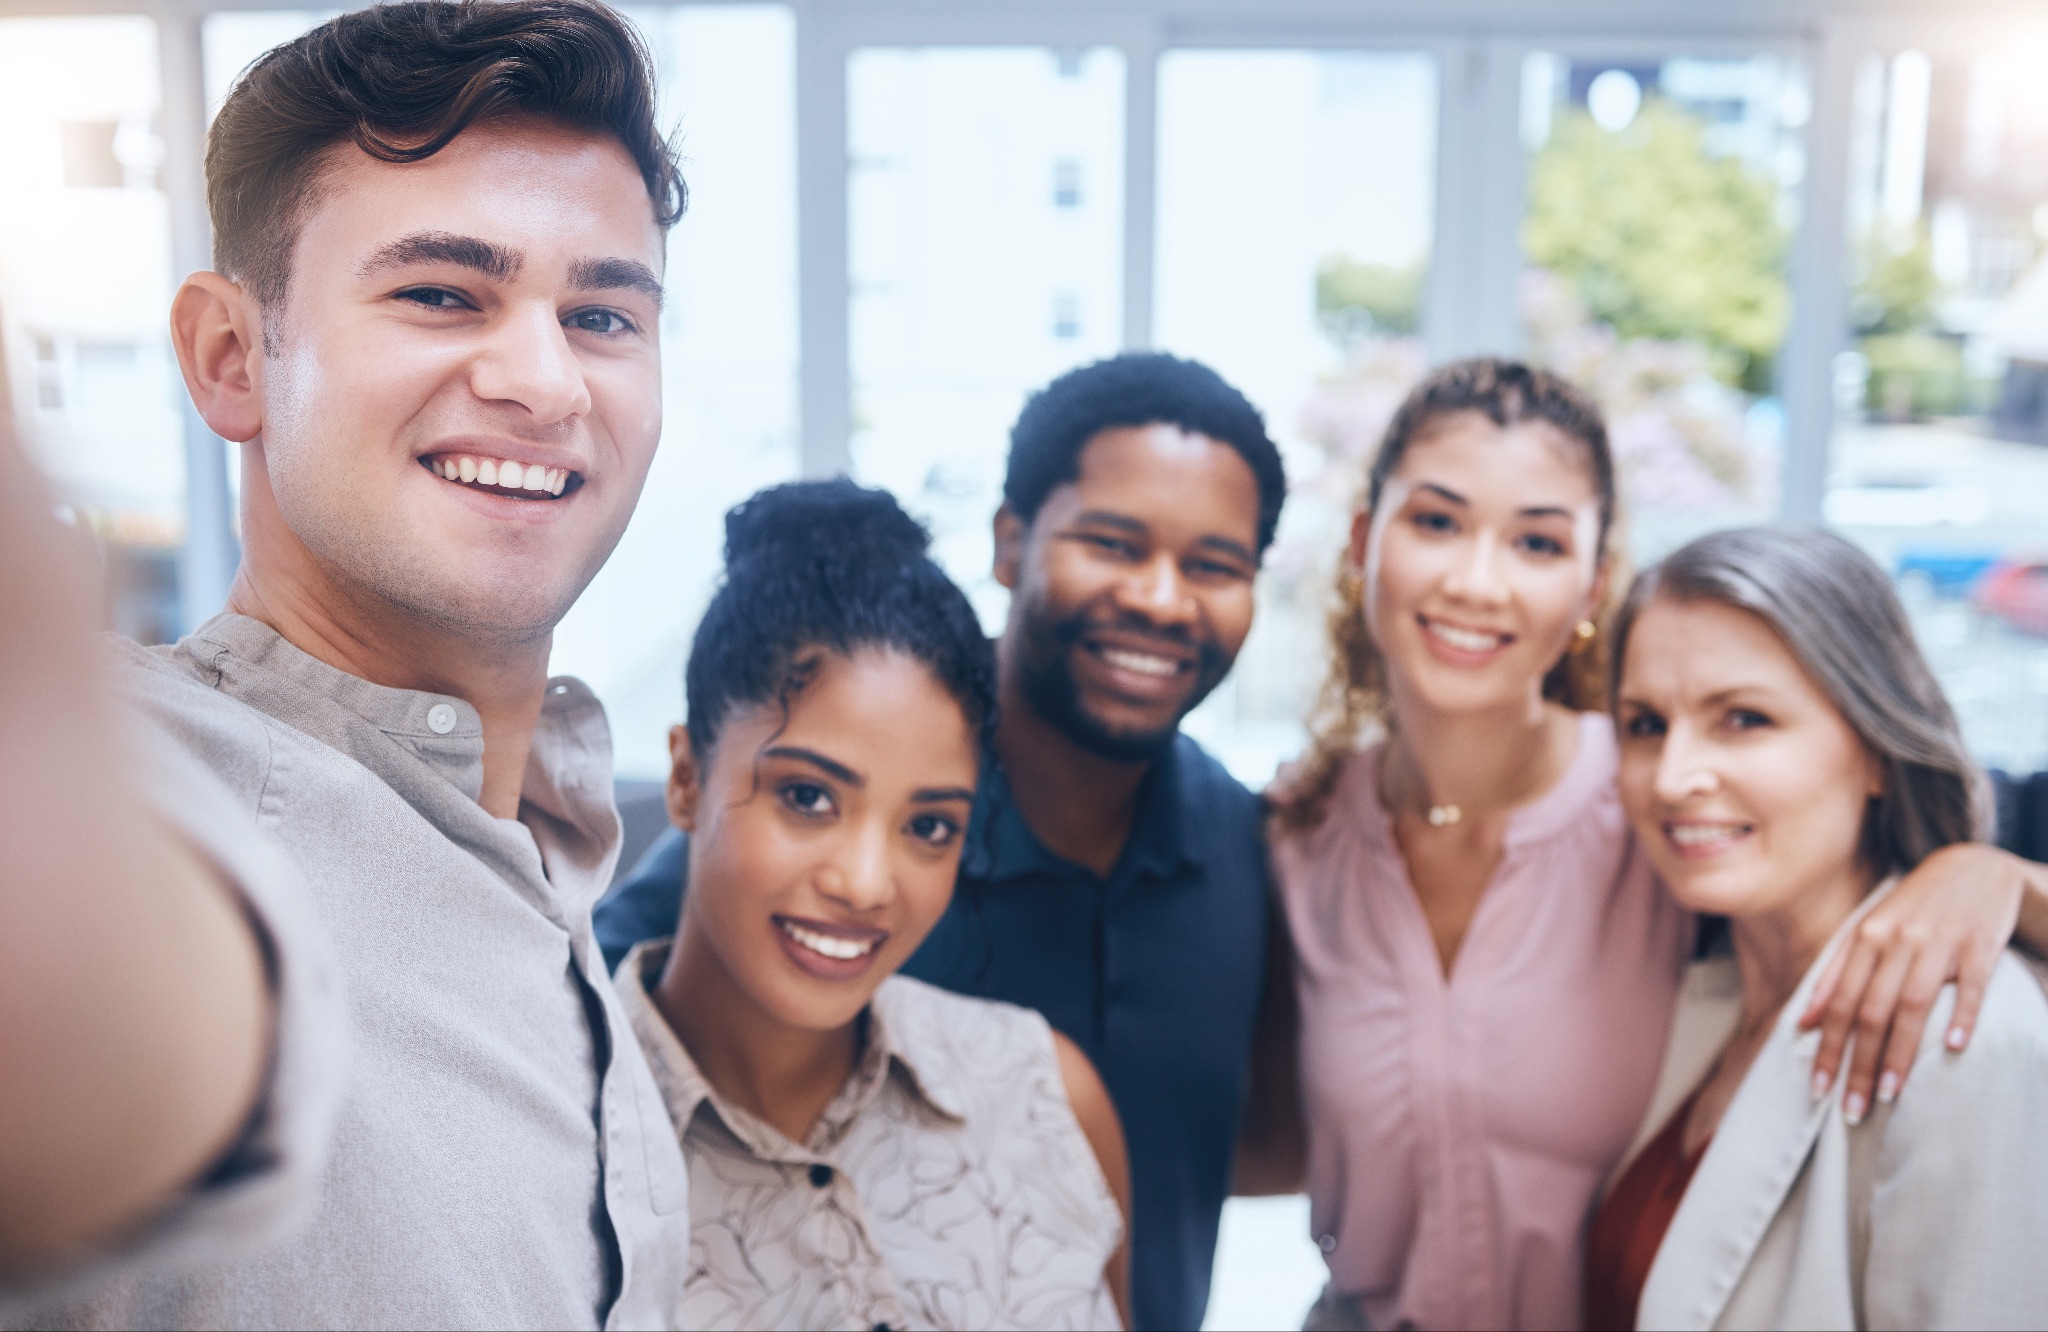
column 948, row 1185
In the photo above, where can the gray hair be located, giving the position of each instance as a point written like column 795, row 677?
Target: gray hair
column 1837, row 613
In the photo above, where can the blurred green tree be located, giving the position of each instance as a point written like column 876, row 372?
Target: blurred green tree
column 1896, row 286
column 1357, row 300
column 1662, row 239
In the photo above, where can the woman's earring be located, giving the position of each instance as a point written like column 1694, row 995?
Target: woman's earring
column 1586, row 632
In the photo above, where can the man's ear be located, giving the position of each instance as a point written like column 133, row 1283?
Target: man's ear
column 217, row 330
column 682, row 780
column 1011, row 533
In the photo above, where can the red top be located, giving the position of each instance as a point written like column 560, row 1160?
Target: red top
column 1629, row 1227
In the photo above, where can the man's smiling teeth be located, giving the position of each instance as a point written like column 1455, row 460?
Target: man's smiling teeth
column 499, row 472
column 845, row 950
column 1465, row 640
column 1704, row 834
column 1140, row 663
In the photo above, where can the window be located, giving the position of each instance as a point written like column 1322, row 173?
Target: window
column 1066, row 183
column 1938, row 465
column 970, row 284
column 1295, row 211
column 728, row 81
column 85, row 278
column 1663, row 195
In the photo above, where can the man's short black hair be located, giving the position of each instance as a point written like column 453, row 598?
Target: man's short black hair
column 1135, row 389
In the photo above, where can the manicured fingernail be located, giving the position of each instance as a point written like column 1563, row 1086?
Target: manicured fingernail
column 1888, row 1088
column 1822, row 1080
column 1852, row 1109
column 1956, row 1037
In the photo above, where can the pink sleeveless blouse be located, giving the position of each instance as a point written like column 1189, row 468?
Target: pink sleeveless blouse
column 1460, row 1129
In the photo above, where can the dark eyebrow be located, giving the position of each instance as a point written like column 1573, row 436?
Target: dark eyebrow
column 1234, row 549
column 1444, row 491
column 1105, row 518
column 831, row 767
column 944, row 793
column 616, row 275
column 489, row 258
column 1546, row 511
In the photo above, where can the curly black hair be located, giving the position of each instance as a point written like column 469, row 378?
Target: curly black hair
column 828, row 565
column 1135, row 389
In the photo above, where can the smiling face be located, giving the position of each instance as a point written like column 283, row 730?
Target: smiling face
column 1132, row 587
column 1479, row 563
column 824, row 844
column 460, row 395
column 1742, row 780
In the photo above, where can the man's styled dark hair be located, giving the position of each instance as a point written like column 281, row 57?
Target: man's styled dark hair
column 1135, row 389
column 825, row 566
column 400, row 81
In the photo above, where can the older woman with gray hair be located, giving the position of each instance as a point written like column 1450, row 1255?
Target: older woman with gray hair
column 1785, row 755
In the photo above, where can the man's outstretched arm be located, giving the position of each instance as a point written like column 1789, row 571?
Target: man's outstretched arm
column 134, row 1002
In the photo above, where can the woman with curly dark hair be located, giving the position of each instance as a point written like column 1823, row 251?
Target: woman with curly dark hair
column 864, row 1149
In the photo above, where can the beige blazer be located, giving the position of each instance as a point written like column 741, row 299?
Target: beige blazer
column 1931, row 1214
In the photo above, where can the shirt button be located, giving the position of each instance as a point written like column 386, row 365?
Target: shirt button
column 440, row 719
column 821, row 1176
column 1327, row 1243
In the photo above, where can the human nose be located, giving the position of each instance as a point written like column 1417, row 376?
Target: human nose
column 1158, row 591
column 859, row 877
column 527, row 360
column 1478, row 575
column 1684, row 769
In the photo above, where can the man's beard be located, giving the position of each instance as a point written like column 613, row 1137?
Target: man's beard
column 1048, row 685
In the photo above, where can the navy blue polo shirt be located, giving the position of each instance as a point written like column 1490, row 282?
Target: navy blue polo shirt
column 1154, row 971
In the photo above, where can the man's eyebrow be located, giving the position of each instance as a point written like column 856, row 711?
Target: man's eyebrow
column 489, row 258
column 831, row 767
column 1235, row 549
column 616, row 275
column 1107, row 518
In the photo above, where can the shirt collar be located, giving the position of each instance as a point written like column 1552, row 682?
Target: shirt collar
column 685, row 1090
column 565, row 794
column 1001, row 845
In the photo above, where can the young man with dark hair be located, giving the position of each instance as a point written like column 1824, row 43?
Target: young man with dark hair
column 440, row 238
column 1114, row 877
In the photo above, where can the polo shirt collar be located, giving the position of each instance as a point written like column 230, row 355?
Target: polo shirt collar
column 686, row 1090
column 1002, row 846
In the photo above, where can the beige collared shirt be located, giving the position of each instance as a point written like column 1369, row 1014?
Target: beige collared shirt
column 495, row 1153
column 948, row 1185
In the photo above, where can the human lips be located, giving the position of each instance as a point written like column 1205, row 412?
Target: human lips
column 828, row 950
column 1138, row 667
column 1462, row 638
column 1462, row 644
column 1700, row 839
column 496, row 475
